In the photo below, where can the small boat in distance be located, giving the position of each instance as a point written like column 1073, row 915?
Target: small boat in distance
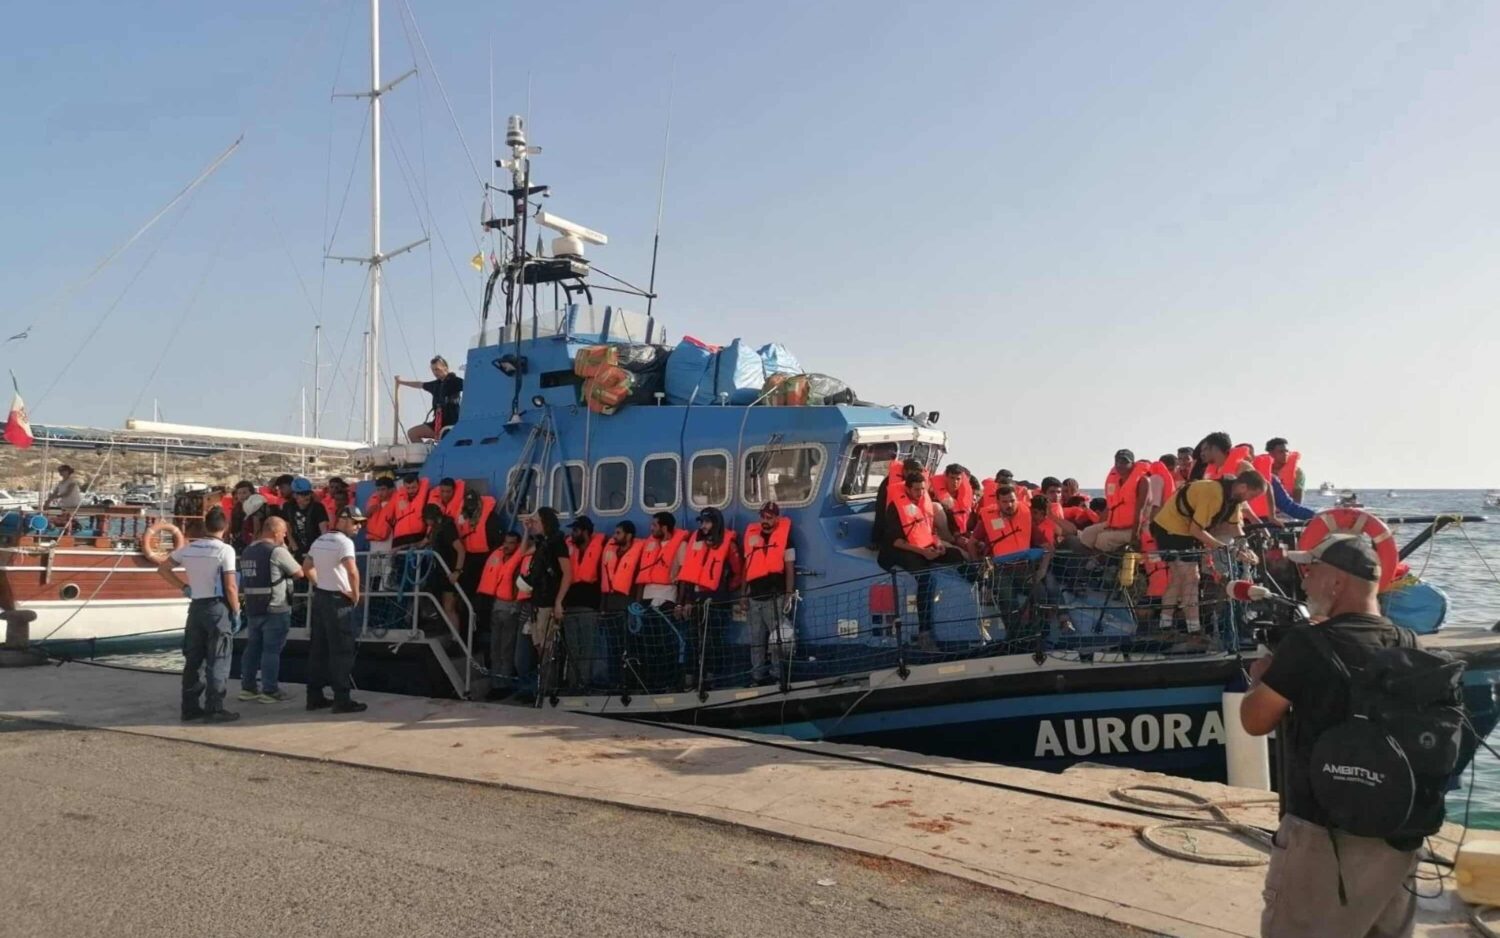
column 1349, row 500
column 1392, row 494
column 1327, row 488
column 1492, row 498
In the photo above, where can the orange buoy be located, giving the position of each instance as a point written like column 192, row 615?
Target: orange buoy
column 151, row 542
column 1355, row 521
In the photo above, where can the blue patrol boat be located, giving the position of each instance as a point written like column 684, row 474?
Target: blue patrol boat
column 691, row 427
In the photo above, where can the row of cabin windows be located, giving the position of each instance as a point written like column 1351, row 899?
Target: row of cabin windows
column 788, row 475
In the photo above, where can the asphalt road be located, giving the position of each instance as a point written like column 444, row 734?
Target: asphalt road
column 115, row 835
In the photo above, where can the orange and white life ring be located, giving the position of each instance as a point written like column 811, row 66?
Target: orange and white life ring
column 1355, row 521
column 151, row 542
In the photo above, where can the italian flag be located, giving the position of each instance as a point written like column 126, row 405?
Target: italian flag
column 17, row 427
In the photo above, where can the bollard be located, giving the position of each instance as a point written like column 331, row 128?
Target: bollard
column 1247, row 757
column 16, row 651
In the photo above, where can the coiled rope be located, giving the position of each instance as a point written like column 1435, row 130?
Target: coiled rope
column 1220, row 822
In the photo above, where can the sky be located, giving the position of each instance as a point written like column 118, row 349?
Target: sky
column 1067, row 228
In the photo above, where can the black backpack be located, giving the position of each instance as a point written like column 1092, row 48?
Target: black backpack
column 1383, row 771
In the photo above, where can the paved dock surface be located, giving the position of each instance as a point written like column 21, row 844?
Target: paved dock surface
column 128, row 835
column 993, row 825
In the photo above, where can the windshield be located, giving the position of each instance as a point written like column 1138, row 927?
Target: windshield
column 865, row 465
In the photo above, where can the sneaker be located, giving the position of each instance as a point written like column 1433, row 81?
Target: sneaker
column 275, row 696
column 350, row 706
column 194, row 714
column 248, row 694
column 318, row 703
column 220, row 716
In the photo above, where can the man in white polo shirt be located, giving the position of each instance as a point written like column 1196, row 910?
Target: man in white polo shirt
column 330, row 564
column 213, row 617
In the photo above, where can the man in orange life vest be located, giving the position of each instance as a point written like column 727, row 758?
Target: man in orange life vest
column 912, row 545
column 617, row 575
column 479, row 527
column 1127, row 494
column 1184, row 468
column 953, row 491
column 770, row 586
column 498, row 583
column 1285, row 465
column 581, row 622
column 407, row 526
column 706, row 587
column 379, row 529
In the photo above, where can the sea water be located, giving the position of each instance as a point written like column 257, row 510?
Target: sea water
column 1464, row 560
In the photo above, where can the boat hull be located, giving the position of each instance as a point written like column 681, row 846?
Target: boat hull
column 101, row 626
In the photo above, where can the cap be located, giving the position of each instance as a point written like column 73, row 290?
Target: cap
column 353, row 513
column 301, row 486
column 770, row 508
column 1351, row 553
column 253, row 503
column 1125, row 453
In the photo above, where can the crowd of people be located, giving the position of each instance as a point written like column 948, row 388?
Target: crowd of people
column 1162, row 513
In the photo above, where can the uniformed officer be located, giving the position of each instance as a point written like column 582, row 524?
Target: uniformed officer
column 213, row 617
column 330, row 564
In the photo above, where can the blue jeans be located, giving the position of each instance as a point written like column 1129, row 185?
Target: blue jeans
column 266, row 636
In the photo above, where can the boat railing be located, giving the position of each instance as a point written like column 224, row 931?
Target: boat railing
column 396, row 605
column 1081, row 608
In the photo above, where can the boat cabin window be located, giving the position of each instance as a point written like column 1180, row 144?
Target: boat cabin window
column 659, row 486
column 612, row 486
column 524, row 485
column 708, row 480
column 866, row 468
column 567, row 489
column 787, row 475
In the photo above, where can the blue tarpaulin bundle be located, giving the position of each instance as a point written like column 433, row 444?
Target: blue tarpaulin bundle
column 699, row 373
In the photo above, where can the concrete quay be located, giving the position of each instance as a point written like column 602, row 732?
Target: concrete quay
column 922, row 811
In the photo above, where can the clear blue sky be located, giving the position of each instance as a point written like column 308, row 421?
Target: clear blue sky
column 1070, row 229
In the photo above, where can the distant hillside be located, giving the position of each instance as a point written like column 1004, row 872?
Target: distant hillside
column 107, row 471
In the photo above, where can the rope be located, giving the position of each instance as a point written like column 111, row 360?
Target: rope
column 1476, row 918
column 1221, row 822
column 1475, row 548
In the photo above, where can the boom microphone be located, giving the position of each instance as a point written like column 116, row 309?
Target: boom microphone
column 1246, row 592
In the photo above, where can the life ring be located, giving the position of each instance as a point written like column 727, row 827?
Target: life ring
column 1354, row 521
column 151, row 547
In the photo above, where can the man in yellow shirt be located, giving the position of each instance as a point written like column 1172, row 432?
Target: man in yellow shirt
column 1194, row 519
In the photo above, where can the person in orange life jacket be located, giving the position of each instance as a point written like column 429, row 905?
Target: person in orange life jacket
column 1323, row 881
column 661, row 559
column 336, row 495
column 550, row 579
column 1184, row 469
column 618, row 567
column 1127, row 493
column 912, row 545
column 379, row 530
column 449, row 496
column 581, row 624
column 883, row 498
column 407, row 526
column 770, row 586
column 1071, row 490
column 953, row 492
column 1047, row 534
column 1163, row 480
column 479, row 527
column 498, row 584
column 1286, row 465
column 447, row 391
column 707, row 584
column 1005, row 524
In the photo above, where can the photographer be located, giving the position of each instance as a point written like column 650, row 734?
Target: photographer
column 1322, row 882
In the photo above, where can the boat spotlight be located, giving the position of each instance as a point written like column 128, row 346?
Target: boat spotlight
column 538, row 401
column 908, row 411
column 511, row 365
column 932, row 418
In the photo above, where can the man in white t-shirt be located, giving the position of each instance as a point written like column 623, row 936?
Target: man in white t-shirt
column 213, row 617
column 330, row 659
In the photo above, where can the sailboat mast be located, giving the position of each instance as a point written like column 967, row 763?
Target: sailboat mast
column 372, row 372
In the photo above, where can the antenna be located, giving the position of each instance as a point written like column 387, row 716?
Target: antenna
column 661, row 190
